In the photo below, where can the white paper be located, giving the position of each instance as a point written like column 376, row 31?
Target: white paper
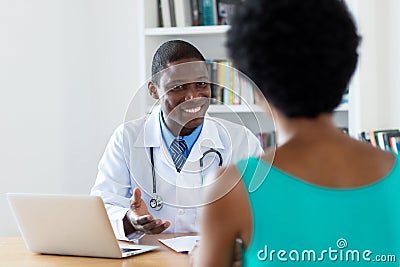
column 183, row 244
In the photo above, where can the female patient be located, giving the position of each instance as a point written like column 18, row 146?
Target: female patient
column 321, row 198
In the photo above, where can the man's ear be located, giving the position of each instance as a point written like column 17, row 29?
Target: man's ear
column 152, row 87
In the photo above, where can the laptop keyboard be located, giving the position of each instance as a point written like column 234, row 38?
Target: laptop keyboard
column 124, row 250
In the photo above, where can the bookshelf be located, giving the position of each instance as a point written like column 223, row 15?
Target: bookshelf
column 210, row 41
column 187, row 31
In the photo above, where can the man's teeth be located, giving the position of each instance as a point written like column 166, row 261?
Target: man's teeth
column 193, row 110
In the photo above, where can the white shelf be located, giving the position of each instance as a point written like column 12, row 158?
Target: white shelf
column 187, row 31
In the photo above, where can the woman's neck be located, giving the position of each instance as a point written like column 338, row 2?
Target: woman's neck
column 304, row 128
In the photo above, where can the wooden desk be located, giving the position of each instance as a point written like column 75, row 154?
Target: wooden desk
column 13, row 253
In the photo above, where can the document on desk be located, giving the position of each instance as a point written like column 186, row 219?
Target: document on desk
column 182, row 244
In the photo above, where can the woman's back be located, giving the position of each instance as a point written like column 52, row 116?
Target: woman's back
column 300, row 222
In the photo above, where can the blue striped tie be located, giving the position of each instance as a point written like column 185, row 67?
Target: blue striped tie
column 177, row 149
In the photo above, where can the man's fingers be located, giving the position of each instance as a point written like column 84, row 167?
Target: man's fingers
column 154, row 227
column 161, row 228
column 148, row 227
column 144, row 219
column 137, row 198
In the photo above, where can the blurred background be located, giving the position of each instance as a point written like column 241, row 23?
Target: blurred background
column 69, row 68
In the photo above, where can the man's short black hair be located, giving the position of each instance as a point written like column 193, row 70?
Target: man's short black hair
column 301, row 53
column 171, row 51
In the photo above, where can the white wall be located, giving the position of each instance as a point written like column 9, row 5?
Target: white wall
column 67, row 73
column 379, row 78
column 391, row 74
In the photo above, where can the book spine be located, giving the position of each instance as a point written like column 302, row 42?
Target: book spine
column 183, row 13
column 394, row 144
column 227, row 81
column 159, row 13
column 380, row 142
column 207, row 12
column 220, row 82
column 194, row 5
column 231, row 82
column 166, row 15
column 172, row 12
column 373, row 138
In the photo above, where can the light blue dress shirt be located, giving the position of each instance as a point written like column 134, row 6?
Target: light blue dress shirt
column 168, row 137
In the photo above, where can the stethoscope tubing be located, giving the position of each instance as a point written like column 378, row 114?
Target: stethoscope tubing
column 156, row 201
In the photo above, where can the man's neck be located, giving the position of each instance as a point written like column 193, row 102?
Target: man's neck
column 175, row 128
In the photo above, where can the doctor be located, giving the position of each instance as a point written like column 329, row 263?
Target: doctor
column 169, row 152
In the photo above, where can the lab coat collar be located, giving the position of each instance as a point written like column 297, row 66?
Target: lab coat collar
column 150, row 135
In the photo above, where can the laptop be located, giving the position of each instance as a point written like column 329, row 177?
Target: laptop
column 68, row 225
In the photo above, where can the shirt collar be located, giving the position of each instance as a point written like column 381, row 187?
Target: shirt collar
column 168, row 137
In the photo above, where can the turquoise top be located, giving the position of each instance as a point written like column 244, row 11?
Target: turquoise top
column 296, row 223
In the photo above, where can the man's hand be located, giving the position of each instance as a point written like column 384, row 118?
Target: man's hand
column 140, row 217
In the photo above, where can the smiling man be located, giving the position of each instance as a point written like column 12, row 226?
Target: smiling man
column 151, row 171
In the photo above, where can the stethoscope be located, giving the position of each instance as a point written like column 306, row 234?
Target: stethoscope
column 156, row 201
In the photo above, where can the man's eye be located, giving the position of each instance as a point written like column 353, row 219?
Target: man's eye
column 177, row 87
column 202, row 84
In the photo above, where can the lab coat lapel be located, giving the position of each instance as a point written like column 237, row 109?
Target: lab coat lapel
column 151, row 136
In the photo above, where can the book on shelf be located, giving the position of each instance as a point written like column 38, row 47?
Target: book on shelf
column 384, row 139
column 228, row 86
column 172, row 12
column 165, row 13
column 159, row 14
column 183, row 13
column 394, row 142
column 194, row 5
column 208, row 11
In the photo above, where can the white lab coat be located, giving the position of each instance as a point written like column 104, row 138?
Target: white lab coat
column 126, row 165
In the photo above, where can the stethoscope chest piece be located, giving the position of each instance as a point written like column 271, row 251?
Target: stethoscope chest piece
column 156, row 202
